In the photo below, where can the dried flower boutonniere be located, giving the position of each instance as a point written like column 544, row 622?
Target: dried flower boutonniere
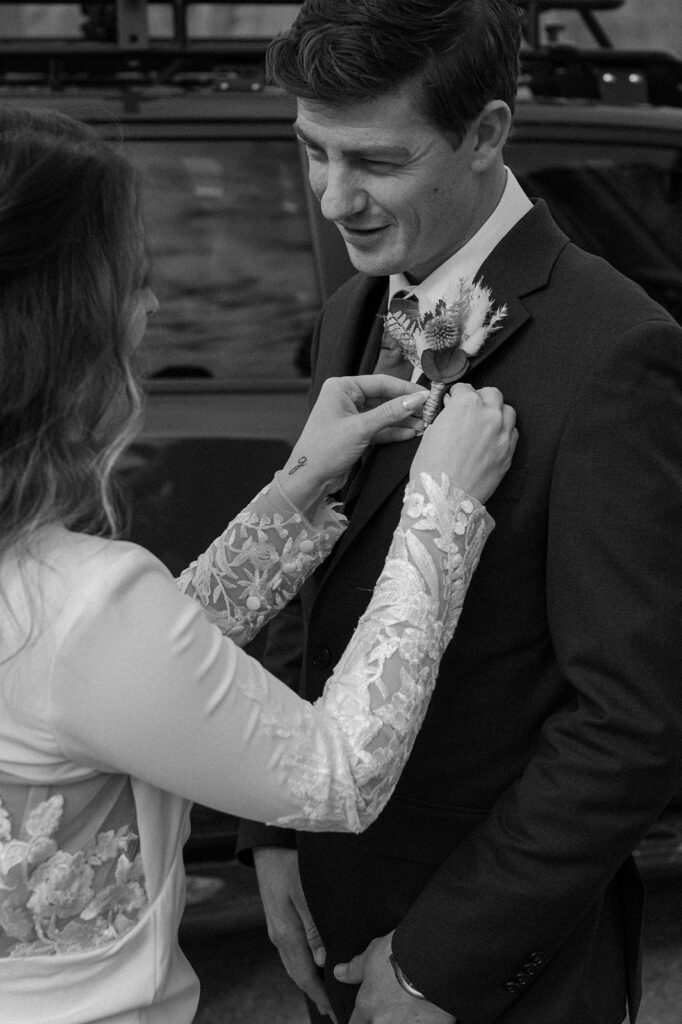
column 443, row 339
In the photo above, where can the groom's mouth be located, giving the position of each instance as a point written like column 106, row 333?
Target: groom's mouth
column 357, row 235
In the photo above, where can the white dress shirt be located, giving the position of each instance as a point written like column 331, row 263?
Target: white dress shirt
column 467, row 261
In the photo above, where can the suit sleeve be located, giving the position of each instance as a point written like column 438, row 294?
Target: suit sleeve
column 610, row 759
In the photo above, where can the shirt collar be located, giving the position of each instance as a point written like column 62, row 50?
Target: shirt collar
column 467, row 261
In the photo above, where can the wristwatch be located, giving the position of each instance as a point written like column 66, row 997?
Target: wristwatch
column 405, row 985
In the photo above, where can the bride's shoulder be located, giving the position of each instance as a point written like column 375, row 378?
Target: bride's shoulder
column 64, row 577
column 80, row 561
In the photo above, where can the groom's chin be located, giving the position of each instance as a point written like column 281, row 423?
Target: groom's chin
column 374, row 264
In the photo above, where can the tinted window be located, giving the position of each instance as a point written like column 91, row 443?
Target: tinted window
column 621, row 202
column 232, row 261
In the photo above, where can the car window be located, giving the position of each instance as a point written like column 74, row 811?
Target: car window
column 231, row 259
column 623, row 203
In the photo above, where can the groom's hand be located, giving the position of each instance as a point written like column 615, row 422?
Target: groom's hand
column 381, row 1000
column 290, row 925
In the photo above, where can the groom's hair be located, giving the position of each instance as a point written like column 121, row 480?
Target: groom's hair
column 457, row 54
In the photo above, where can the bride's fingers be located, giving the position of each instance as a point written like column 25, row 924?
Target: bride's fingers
column 377, row 387
column 509, row 417
column 392, row 414
column 396, row 420
column 411, row 426
column 382, row 383
column 415, row 422
column 393, row 434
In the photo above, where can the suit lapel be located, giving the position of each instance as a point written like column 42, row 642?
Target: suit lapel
column 354, row 332
column 364, row 319
column 519, row 265
column 370, row 354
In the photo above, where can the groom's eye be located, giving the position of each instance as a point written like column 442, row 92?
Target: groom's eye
column 382, row 166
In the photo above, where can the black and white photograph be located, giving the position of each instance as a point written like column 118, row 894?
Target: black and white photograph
column 340, row 512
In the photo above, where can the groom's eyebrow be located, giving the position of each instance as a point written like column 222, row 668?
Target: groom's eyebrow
column 365, row 152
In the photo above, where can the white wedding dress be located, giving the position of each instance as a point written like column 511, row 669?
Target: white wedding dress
column 123, row 699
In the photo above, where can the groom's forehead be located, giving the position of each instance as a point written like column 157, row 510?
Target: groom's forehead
column 390, row 121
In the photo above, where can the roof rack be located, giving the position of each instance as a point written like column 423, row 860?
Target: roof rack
column 114, row 48
column 623, row 77
column 614, row 77
column 124, row 24
column 585, row 8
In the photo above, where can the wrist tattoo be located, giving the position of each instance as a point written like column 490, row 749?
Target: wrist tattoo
column 303, row 461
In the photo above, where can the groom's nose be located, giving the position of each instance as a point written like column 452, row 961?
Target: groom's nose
column 340, row 193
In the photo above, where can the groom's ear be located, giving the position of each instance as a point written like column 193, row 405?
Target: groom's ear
column 490, row 131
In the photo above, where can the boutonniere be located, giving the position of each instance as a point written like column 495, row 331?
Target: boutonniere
column 445, row 336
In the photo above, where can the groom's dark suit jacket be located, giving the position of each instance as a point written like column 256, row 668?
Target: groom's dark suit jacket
column 554, row 737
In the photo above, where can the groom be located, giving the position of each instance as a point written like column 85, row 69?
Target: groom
column 499, row 878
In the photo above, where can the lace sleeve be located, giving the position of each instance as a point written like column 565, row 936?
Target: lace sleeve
column 374, row 704
column 261, row 560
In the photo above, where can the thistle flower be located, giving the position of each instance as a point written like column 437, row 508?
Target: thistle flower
column 463, row 320
column 444, row 331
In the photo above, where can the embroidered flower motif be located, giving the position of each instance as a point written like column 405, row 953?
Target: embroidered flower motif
column 62, row 886
column 5, row 826
column 48, row 898
column 109, row 844
column 40, row 849
column 258, row 564
column 396, row 653
column 414, row 504
column 125, row 896
column 45, row 818
column 15, row 921
column 259, row 553
column 12, row 857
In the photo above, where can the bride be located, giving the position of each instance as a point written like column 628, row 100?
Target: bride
column 125, row 696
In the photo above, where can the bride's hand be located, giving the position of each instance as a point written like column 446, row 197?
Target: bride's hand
column 350, row 414
column 472, row 441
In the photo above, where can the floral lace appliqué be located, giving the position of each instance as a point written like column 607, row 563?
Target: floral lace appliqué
column 261, row 560
column 374, row 704
column 342, row 756
column 52, row 901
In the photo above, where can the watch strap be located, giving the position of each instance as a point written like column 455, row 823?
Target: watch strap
column 407, row 985
column 404, row 983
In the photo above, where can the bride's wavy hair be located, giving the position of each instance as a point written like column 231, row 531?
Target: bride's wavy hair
column 71, row 255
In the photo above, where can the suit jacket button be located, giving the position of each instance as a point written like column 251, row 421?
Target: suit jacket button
column 512, row 986
column 321, row 657
column 523, row 978
column 538, row 959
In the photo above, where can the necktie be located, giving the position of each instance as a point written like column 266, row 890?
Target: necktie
column 391, row 358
